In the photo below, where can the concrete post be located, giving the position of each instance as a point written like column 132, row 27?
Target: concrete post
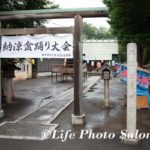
column 131, row 91
column 106, row 93
column 1, row 111
column 78, row 116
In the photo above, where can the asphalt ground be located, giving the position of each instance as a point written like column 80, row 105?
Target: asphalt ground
column 98, row 120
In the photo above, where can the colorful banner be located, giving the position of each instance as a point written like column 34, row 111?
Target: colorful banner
column 142, row 78
column 38, row 46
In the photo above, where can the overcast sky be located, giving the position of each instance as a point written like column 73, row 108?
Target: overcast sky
column 78, row 4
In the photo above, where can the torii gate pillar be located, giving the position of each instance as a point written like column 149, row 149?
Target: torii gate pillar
column 1, row 111
column 78, row 116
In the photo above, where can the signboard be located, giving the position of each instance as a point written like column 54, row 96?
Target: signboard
column 106, row 75
column 38, row 46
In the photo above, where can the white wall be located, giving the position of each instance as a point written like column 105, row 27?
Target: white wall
column 25, row 72
column 100, row 49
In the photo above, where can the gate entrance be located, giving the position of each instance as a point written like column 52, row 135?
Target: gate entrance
column 77, row 14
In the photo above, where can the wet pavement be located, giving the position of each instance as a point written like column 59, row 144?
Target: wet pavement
column 98, row 119
column 32, row 94
column 42, row 115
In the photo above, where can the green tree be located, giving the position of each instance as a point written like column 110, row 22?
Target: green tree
column 6, row 5
column 147, row 54
column 104, row 33
column 130, row 21
column 91, row 32
column 9, row 5
column 25, row 5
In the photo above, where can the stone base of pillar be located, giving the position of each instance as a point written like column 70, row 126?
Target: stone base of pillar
column 107, row 107
column 78, row 120
column 1, row 114
column 130, row 141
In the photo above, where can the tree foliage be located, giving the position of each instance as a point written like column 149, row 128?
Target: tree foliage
column 91, row 32
column 130, row 21
column 10, row 5
column 7, row 5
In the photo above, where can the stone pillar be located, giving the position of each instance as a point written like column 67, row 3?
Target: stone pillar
column 131, row 91
column 106, row 93
column 78, row 116
column 1, row 111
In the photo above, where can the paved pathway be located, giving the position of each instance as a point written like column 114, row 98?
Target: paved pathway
column 33, row 94
column 98, row 119
column 21, row 128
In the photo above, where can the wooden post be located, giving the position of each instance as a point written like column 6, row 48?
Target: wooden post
column 1, row 111
column 78, row 116
column 106, row 93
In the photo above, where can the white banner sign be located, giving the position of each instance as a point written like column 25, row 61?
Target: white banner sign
column 39, row 46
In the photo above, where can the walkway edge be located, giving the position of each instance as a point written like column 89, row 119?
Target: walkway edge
column 72, row 100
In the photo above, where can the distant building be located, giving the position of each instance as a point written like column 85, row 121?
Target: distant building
column 100, row 49
column 44, row 66
column 26, row 70
column 32, row 68
column 94, row 51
